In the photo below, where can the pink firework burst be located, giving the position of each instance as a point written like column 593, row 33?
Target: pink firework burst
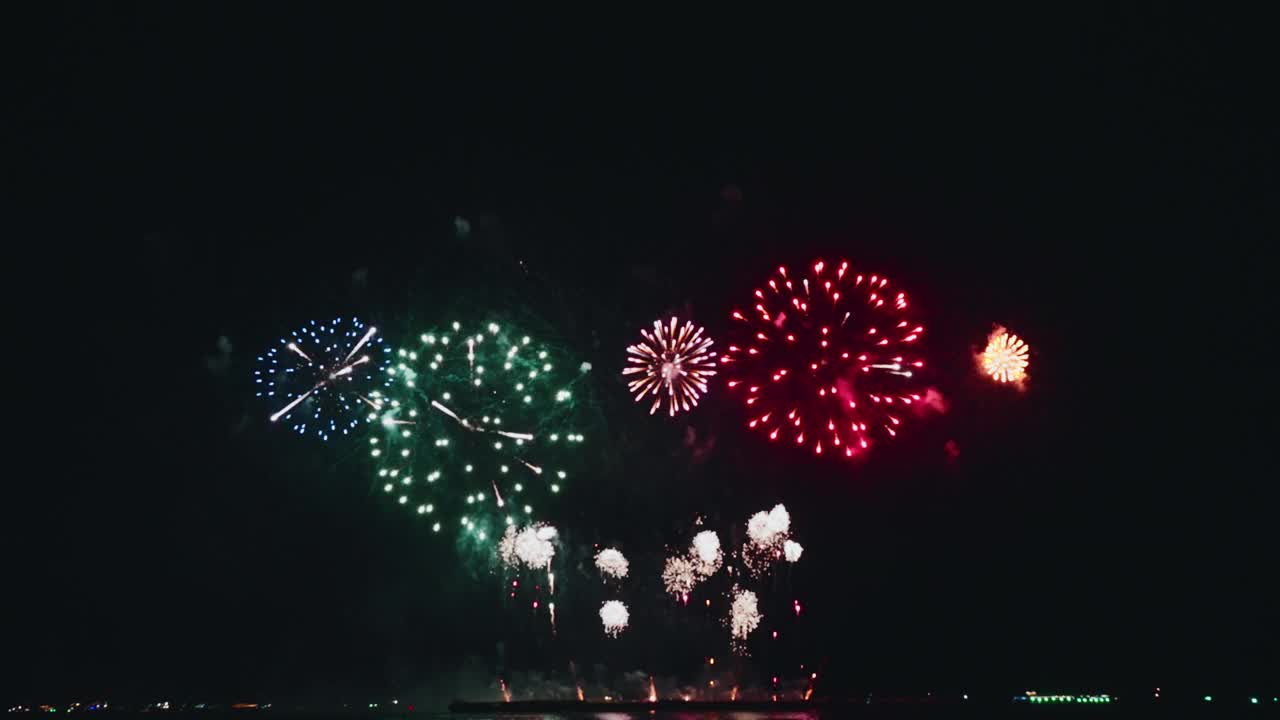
column 671, row 363
column 827, row 360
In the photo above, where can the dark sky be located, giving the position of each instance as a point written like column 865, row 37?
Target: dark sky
column 1093, row 182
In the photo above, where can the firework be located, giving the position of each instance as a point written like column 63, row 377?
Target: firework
column 1005, row 357
column 612, row 563
column 672, row 364
column 322, row 377
column 705, row 554
column 477, row 428
column 767, row 536
column 744, row 614
column 532, row 546
column 827, row 360
column 679, row 575
column 791, row 550
column 769, row 528
column 614, row 616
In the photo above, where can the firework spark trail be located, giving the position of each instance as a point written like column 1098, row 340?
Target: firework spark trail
column 475, row 428
column 823, row 361
column 614, row 616
column 299, row 352
column 285, row 410
column 671, row 363
column 378, row 406
column 1005, row 357
column 363, row 340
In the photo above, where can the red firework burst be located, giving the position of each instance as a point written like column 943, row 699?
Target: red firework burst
column 827, row 361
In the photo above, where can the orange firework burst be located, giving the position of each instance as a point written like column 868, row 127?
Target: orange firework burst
column 1005, row 358
column 671, row 363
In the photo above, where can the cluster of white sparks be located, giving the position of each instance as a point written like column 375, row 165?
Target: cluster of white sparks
column 671, row 363
column 612, row 563
column 706, row 553
column 532, row 546
column 769, row 528
column 744, row 614
column 791, row 550
column 768, row 539
column 614, row 616
column 679, row 575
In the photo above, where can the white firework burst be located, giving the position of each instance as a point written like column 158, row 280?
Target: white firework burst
column 614, row 616
column 767, row 534
column 706, row 553
column 679, row 575
column 612, row 563
column 532, row 546
column 791, row 550
column 744, row 614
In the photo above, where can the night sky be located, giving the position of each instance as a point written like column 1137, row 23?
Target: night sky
column 1091, row 182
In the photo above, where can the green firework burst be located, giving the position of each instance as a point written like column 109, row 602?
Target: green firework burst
column 479, row 429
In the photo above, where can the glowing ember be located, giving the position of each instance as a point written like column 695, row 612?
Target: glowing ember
column 671, row 363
